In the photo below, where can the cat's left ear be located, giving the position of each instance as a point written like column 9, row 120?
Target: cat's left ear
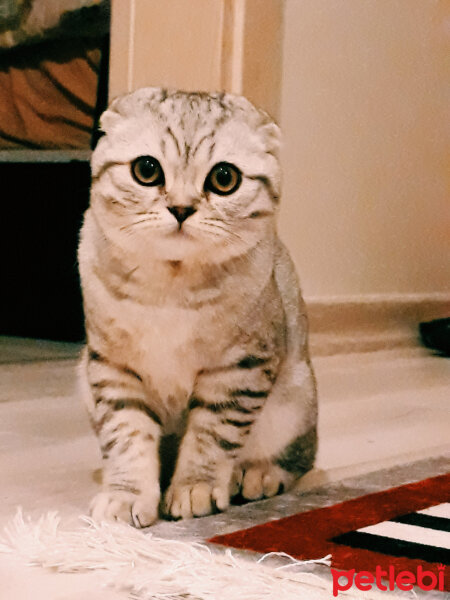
column 272, row 137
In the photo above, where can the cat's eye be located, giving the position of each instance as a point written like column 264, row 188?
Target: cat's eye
column 146, row 170
column 223, row 179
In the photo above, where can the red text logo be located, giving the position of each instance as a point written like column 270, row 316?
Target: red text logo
column 401, row 580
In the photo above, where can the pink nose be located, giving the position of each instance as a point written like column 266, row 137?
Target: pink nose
column 181, row 213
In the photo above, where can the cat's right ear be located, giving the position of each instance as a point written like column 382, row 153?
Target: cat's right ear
column 105, row 122
column 111, row 116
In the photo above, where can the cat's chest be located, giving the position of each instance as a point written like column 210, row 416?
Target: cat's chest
column 167, row 346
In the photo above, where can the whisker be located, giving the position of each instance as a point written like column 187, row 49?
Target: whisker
column 127, row 203
column 213, row 233
column 222, row 228
column 215, row 222
column 134, row 223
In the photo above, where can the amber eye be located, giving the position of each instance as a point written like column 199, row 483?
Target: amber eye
column 223, row 179
column 146, row 170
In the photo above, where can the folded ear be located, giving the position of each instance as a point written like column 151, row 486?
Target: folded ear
column 111, row 115
column 272, row 137
column 108, row 121
column 129, row 104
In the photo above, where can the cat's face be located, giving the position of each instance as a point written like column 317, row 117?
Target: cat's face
column 182, row 175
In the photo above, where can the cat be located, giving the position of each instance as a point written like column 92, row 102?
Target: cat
column 195, row 324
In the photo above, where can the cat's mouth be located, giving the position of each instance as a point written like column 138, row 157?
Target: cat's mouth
column 180, row 232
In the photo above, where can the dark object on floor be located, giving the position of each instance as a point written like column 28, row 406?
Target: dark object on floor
column 436, row 335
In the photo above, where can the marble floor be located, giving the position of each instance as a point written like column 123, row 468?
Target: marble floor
column 379, row 412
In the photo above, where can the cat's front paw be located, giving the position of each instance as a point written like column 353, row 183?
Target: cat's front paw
column 198, row 499
column 264, row 481
column 120, row 505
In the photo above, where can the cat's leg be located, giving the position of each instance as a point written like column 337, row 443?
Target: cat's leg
column 129, row 433
column 223, row 409
column 281, row 447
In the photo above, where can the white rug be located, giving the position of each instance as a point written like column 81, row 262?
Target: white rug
column 145, row 567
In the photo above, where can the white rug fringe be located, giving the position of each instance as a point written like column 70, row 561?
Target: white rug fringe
column 151, row 568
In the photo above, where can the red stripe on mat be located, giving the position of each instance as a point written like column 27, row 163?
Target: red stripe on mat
column 308, row 535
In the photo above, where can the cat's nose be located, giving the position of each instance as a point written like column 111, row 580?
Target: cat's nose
column 181, row 213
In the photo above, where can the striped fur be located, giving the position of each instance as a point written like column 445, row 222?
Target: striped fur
column 196, row 329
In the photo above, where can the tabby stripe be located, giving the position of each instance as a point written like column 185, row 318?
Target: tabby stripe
column 104, row 383
column 125, row 446
column 110, row 401
column 267, row 184
column 216, row 408
column 187, row 150
column 205, row 137
column 231, row 404
column 109, row 445
column 196, row 403
column 172, row 135
column 132, row 373
column 237, row 423
column 135, row 404
column 226, row 445
column 124, row 488
column 250, row 393
column 246, row 411
column 118, row 427
column 251, row 361
column 105, row 418
column 104, row 168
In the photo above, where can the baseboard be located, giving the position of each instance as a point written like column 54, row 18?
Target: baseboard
column 369, row 323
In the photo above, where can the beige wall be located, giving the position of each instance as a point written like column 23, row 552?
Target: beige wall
column 367, row 171
column 209, row 45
